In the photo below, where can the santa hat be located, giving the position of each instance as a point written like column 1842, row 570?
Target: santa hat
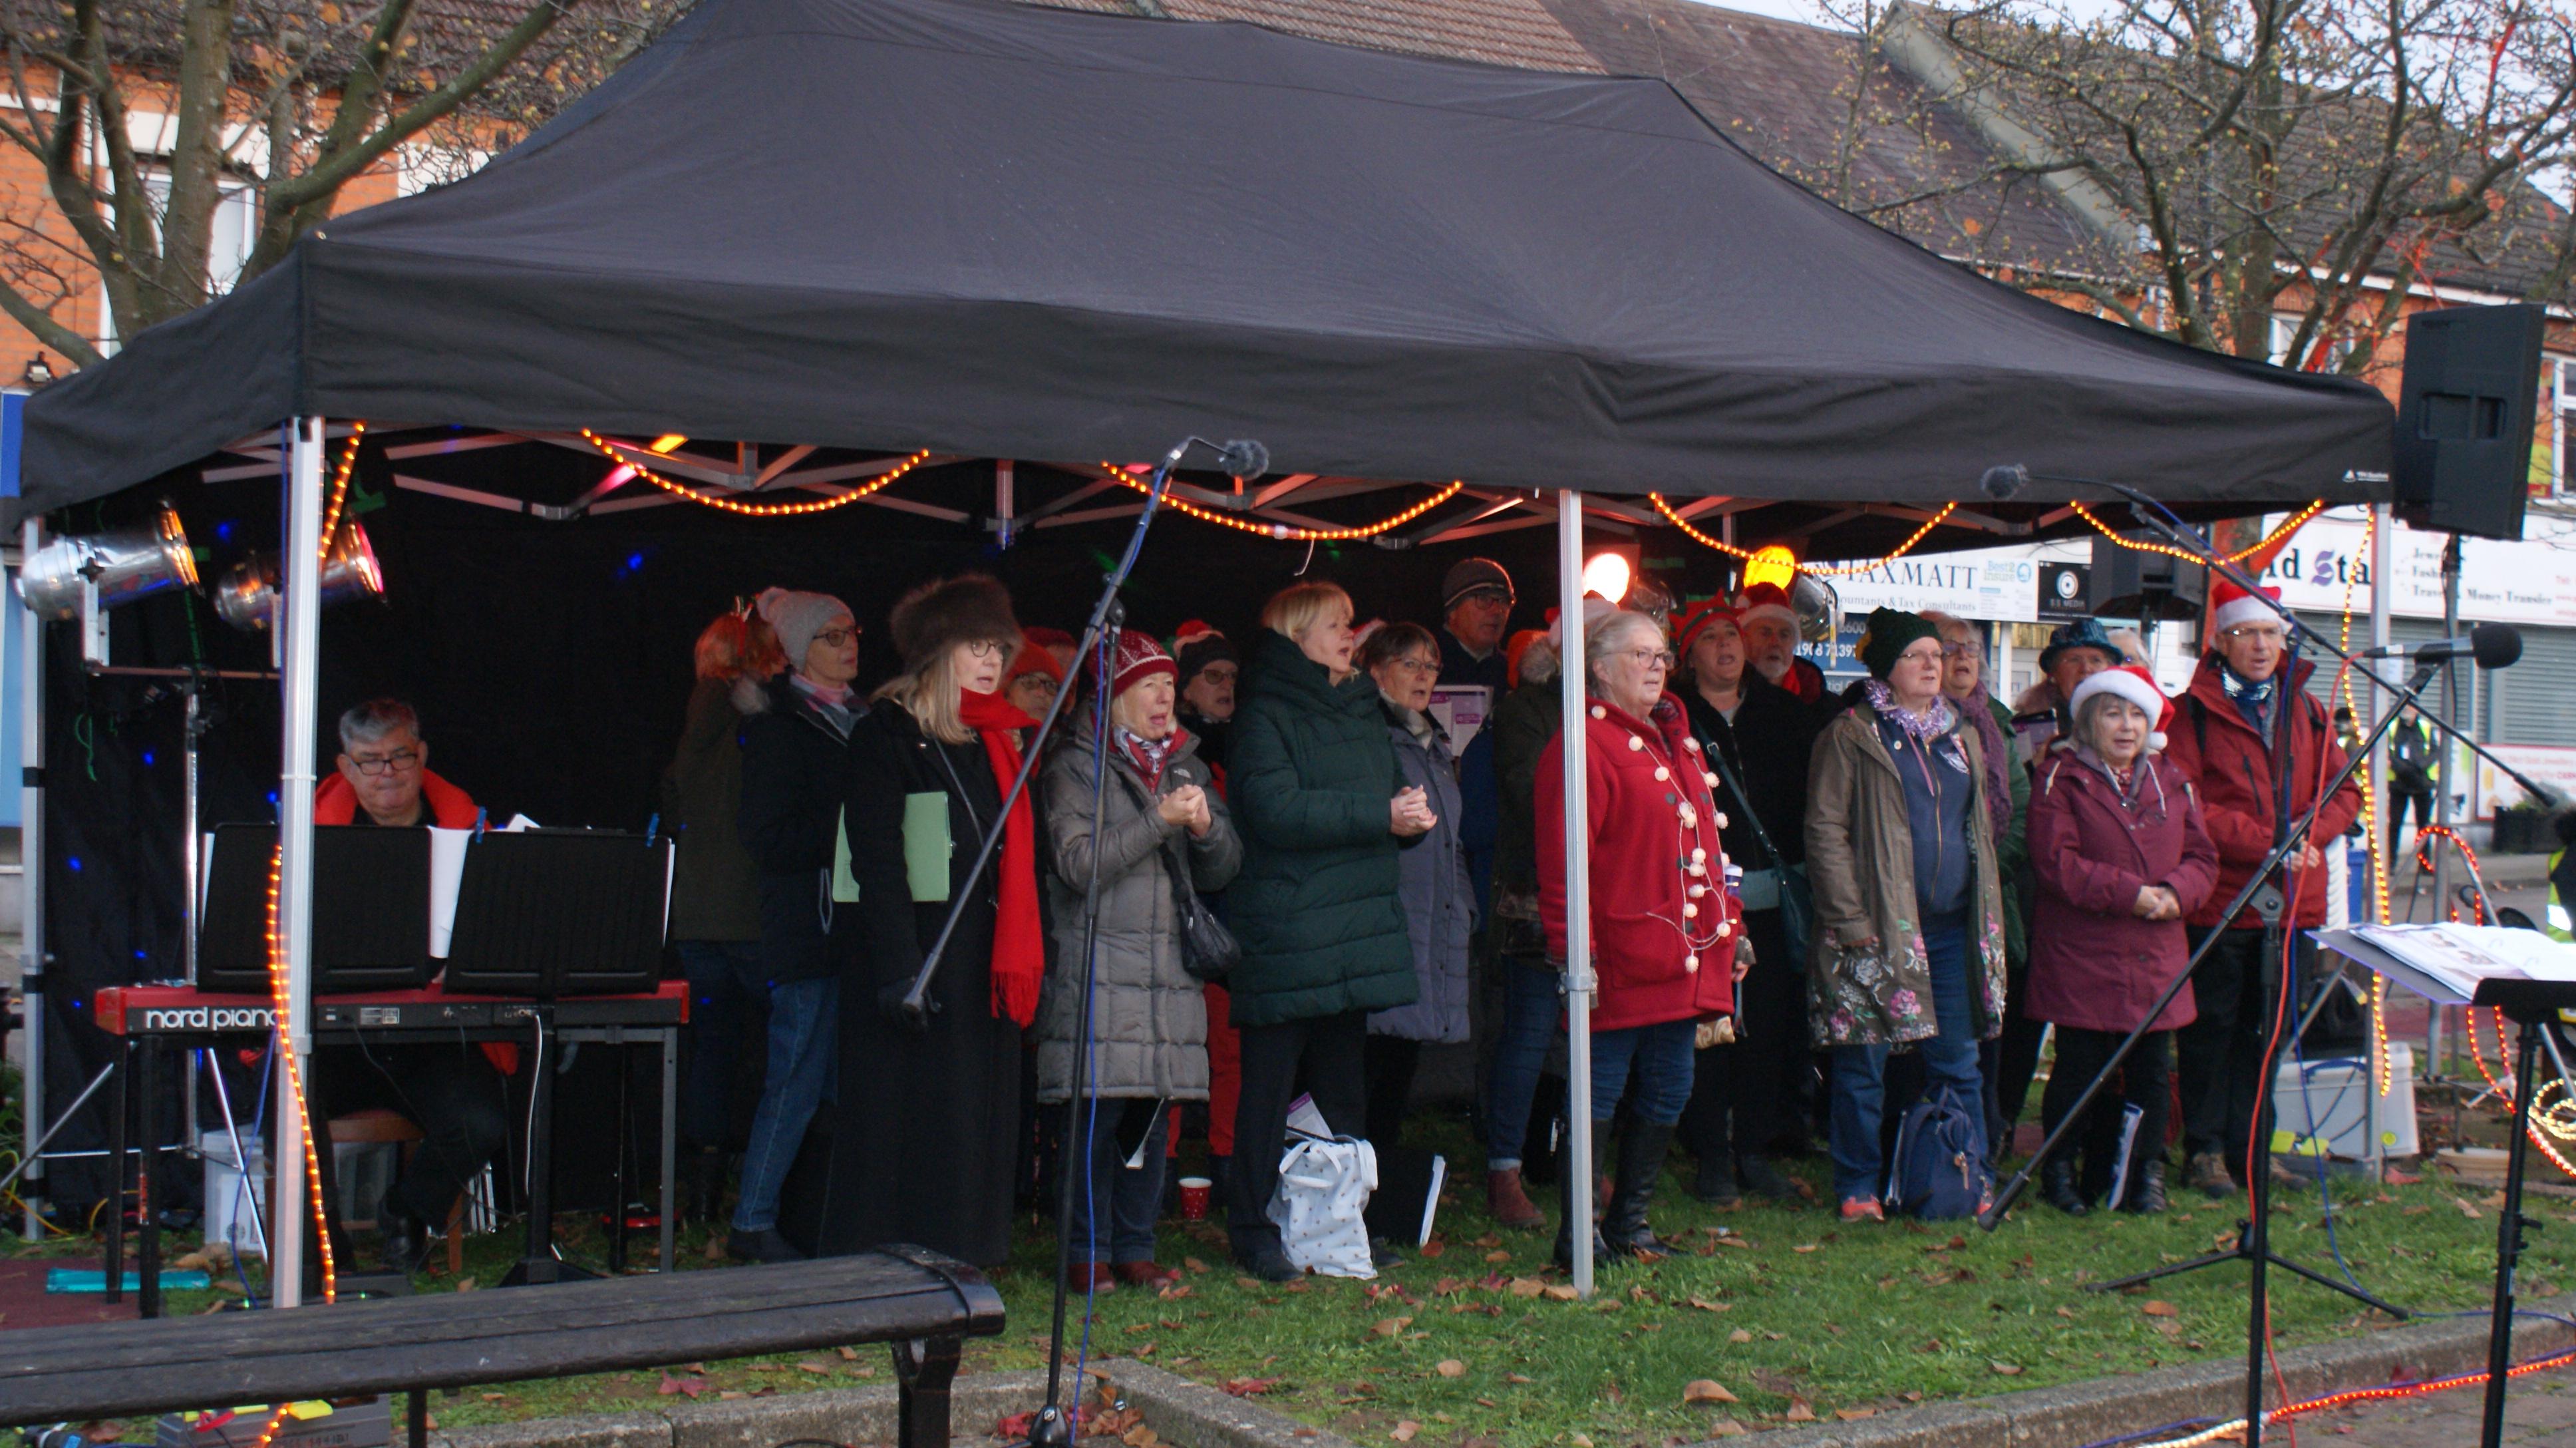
column 1138, row 658
column 2133, row 683
column 1763, row 600
column 1033, row 659
column 2230, row 605
column 1518, row 646
column 1699, row 616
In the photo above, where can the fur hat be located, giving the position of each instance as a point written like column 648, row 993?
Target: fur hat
column 2136, row 685
column 942, row 614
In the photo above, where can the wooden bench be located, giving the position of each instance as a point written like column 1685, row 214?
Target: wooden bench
column 923, row 1304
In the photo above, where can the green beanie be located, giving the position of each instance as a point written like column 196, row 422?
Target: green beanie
column 1890, row 632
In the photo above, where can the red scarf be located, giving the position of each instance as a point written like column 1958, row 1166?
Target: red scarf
column 1019, row 946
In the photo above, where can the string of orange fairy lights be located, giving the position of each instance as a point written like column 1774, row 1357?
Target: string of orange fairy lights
column 2288, row 526
column 282, row 1000
column 1834, row 571
column 340, row 484
column 754, row 510
column 1283, row 531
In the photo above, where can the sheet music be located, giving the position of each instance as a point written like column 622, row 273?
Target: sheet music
column 446, row 872
column 2460, row 956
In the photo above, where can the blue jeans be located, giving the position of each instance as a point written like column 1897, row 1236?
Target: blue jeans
column 1660, row 1055
column 804, row 1054
column 1131, row 1196
column 1531, row 1002
column 725, row 983
column 1949, row 1059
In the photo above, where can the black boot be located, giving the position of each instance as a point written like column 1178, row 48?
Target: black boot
column 2057, row 1183
column 1761, row 1178
column 1570, row 1182
column 1642, row 1148
column 1714, row 1181
column 2146, row 1194
column 406, row 1237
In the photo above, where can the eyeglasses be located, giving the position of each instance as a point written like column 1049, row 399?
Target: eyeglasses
column 833, row 638
column 1490, row 596
column 374, row 764
column 1651, row 658
column 1957, row 650
column 2270, row 631
column 1418, row 668
column 1218, row 673
column 986, row 649
column 1916, row 655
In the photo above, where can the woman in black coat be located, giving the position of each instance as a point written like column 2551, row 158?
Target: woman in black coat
column 926, row 1131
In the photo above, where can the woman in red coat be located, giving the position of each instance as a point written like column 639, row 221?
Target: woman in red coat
column 1665, row 924
column 2121, row 857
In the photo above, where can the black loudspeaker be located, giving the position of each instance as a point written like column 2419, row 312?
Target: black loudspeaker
column 2464, row 419
column 2139, row 583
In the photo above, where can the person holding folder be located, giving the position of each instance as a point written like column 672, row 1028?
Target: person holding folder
column 926, row 1125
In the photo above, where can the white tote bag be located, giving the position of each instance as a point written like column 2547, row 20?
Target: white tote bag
column 1323, row 1191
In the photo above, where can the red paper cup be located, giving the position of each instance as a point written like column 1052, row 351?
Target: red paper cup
column 1194, row 1199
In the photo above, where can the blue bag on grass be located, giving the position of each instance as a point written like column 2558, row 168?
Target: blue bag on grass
column 1939, row 1172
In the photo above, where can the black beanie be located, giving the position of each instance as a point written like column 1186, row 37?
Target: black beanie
column 1889, row 633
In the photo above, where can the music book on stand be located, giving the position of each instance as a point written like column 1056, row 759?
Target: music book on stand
column 370, row 910
column 550, row 913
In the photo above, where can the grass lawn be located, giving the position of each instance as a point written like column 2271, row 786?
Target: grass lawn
column 1786, row 1309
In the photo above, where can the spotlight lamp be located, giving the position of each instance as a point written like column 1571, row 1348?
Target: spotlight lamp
column 246, row 597
column 82, row 576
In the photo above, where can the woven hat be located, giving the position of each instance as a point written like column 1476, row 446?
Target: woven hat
column 1888, row 634
column 2084, row 633
column 1468, row 575
column 797, row 617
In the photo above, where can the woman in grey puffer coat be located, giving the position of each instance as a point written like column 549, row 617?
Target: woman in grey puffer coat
column 1148, row 1017
column 1439, row 903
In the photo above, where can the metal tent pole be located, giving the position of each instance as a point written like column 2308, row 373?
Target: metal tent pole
column 301, row 585
column 31, row 854
column 1578, row 889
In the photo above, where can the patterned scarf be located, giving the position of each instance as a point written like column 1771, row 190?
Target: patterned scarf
column 1925, row 727
column 1979, row 707
column 1149, row 756
column 1019, row 945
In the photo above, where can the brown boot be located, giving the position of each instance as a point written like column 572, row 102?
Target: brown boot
column 1510, row 1205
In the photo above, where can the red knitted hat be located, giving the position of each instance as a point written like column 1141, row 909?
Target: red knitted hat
column 1699, row 616
column 1138, row 657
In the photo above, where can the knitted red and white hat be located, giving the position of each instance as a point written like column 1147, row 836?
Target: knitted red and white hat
column 2133, row 683
column 1138, row 657
column 2230, row 605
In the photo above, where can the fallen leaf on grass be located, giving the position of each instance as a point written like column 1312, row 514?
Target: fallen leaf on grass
column 1561, row 1291
column 1140, row 1436
column 1807, row 1247
column 1391, row 1326
column 1707, row 1390
column 2466, row 1210
column 1704, row 1305
column 1525, row 1287
column 2005, row 1369
column 1490, row 1239
column 848, row 1354
column 1249, row 1387
column 1193, row 1264
column 1518, row 1378
column 2161, row 1308
column 1854, row 1415
column 1580, row 1441
column 715, row 1249
column 1739, row 1335
column 1452, row 1368
column 813, row 1367
column 1432, row 1248
column 494, row 1397
column 1726, row 1428
column 1799, row 1412
column 729, row 1394
column 2066, row 1312
column 1405, row 1430
column 1744, row 1242
column 1498, row 1256
column 672, row 1387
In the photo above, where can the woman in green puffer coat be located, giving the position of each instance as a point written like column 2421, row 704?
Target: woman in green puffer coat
column 1312, row 776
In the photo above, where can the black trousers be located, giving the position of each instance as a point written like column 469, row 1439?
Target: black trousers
column 2400, row 800
column 451, row 1092
column 1391, row 1064
column 1750, row 1096
column 2221, row 1052
column 2009, row 1061
column 1325, row 1057
column 2146, row 1082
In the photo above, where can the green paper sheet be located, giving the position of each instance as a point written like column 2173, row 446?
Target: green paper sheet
column 926, row 846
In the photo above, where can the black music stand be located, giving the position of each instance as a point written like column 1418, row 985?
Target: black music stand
column 2534, row 1005
column 553, row 913
column 370, row 910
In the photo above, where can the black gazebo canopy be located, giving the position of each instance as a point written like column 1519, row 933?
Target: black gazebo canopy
column 991, row 230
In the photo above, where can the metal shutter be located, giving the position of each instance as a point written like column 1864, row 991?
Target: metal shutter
column 2534, row 702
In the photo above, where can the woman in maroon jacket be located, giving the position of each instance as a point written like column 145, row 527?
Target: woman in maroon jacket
column 1665, row 925
column 2121, row 857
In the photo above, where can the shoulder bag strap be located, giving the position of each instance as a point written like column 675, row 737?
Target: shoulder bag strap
column 1753, row 818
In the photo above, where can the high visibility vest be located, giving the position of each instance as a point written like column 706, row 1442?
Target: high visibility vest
column 2559, row 923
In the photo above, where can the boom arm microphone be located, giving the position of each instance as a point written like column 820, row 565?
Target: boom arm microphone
column 2492, row 645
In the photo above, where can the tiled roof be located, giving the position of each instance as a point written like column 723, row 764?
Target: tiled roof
column 1500, row 32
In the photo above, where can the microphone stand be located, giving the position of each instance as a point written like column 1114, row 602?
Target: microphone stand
column 908, row 1004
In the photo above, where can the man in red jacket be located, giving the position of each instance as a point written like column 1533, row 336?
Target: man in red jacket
column 2223, row 738
column 454, row 1092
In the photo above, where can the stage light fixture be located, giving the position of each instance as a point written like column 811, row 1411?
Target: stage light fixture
column 246, row 597
column 1607, row 575
column 82, row 576
column 1774, row 565
column 1818, row 607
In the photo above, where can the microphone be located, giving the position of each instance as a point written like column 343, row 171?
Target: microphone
column 2004, row 480
column 2491, row 645
column 1243, row 458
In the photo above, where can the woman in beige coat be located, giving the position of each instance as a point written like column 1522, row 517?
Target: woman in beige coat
column 1908, row 944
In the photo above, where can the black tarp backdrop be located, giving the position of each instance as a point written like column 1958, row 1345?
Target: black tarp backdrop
column 997, row 230
column 551, row 665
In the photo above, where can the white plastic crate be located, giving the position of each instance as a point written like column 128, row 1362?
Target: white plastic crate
column 2330, row 1106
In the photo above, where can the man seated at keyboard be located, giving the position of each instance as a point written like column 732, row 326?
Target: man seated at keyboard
column 453, row 1091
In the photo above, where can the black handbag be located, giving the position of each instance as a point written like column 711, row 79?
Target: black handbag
column 1209, row 951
